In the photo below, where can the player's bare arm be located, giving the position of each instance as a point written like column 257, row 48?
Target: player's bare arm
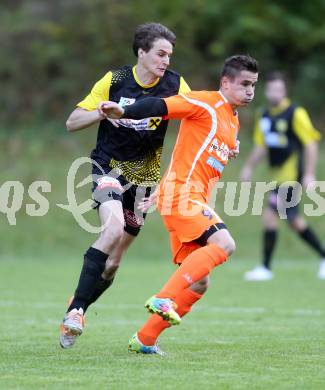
column 257, row 154
column 310, row 157
column 80, row 119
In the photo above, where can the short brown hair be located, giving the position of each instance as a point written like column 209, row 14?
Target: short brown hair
column 235, row 64
column 275, row 75
column 146, row 34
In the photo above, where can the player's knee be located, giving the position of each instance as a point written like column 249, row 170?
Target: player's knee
column 270, row 219
column 112, row 234
column 232, row 247
column 223, row 240
column 229, row 246
column 293, row 225
column 298, row 224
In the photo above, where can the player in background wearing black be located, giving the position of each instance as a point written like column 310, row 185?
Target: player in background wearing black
column 286, row 134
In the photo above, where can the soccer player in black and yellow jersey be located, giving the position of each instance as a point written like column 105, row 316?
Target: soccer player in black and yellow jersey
column 285, row 133
column 126, row 162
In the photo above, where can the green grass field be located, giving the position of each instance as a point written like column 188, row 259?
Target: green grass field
column 240, row 336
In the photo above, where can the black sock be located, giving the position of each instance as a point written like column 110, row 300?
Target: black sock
column 269, row 241
column 93, row 267
column 101, row 286
column 310, row 237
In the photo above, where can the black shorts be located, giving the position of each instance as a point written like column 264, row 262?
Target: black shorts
column 275, row 201
column 109, row 185
column 203, row 239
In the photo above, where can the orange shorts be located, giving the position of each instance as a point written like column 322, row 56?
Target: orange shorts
column 184, row 230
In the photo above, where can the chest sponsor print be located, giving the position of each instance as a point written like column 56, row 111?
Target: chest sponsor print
column 220, row 149
column 137, row 124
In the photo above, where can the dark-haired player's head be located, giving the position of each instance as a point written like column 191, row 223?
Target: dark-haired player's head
column 238, row 78
column 153, row 46
column 146, row 34
column 237, row 63
column 275, row 88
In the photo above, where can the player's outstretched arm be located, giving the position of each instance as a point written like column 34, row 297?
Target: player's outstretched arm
column 142, row 109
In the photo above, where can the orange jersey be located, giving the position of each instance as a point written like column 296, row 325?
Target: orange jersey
column 208, row 130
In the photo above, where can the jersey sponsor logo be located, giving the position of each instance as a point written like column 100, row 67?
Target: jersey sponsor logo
column 265, row 124
column 221, row 150
column 131, row 219
column 281, row 125
column 214, row 163
column 137, row 124
column 124, row 101
column 273, row 139
column 218, row 104
column 107, row 181
column 154, row 123
column 141, row 124
column 207, row 213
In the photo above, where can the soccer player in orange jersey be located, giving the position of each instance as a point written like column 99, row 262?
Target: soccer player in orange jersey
column 199, row 239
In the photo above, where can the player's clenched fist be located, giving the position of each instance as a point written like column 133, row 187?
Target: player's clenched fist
column 111, row 109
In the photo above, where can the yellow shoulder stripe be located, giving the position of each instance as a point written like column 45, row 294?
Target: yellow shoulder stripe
column 303, row 127
column 258, row 136
column 99, row 93
column 183, row 86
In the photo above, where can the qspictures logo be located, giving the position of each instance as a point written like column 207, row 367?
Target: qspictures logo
column 239, row 197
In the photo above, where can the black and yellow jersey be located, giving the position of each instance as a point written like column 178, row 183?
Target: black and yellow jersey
column 284, row 130
column 134, row 147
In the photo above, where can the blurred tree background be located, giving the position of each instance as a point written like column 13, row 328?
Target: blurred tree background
column 256, row 336
column 53, row 51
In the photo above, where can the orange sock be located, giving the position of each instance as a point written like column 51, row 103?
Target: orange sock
column 155, row 325
column 195, row 266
